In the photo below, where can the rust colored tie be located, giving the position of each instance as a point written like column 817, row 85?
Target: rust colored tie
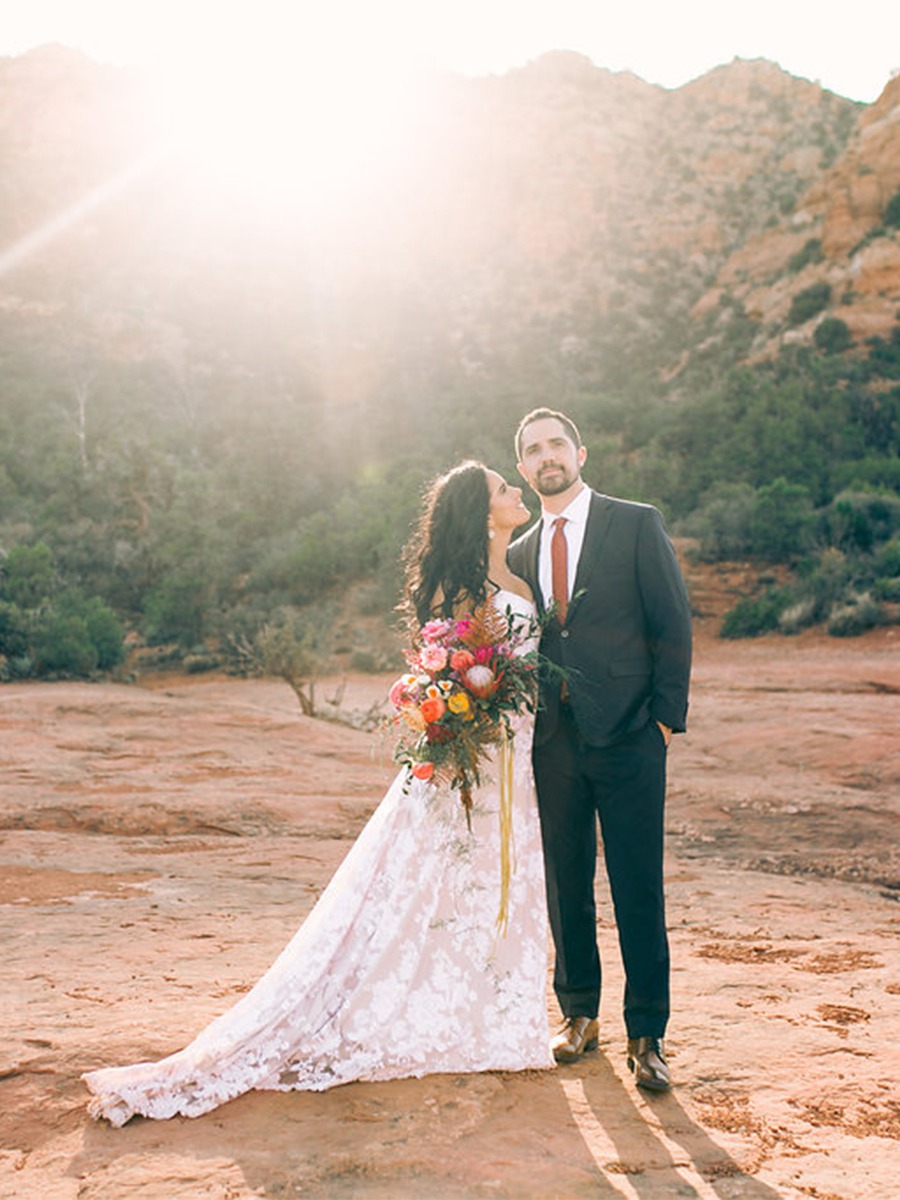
column 559, row 569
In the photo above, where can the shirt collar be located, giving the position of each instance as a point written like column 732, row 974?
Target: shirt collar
column 575, row 511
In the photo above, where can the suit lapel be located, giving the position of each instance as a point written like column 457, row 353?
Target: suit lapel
column 596, row 529
column 531, row 542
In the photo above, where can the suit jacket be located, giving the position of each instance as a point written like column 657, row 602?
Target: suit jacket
column 626, row 642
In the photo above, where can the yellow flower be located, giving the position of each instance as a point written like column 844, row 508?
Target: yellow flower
column 459, row 704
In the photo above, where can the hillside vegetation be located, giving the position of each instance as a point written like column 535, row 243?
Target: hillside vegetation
column 219, row 406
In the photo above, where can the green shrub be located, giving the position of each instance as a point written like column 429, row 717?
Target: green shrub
column 782, row 521
column 850, row 620
column 811, row 253
column 755, row 615
column 887, row 589
column 175, row 611
column 103, row 626
column 886, row 560
column 29, row 575
column 832, row 335
column 798, row 616
column 13, row 631
column 809, row 302
column 858, row 521
column 892, row 212
column 63, row 646
column 722, row 522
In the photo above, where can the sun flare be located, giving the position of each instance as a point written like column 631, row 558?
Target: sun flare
column 286, row 128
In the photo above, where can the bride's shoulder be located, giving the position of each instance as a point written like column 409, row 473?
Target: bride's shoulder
column 514, row 588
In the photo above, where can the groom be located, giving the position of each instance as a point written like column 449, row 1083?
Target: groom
column 620, row 628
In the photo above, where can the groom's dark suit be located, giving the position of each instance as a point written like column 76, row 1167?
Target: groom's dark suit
column 626, row 650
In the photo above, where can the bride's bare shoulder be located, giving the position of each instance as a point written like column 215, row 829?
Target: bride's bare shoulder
column 516, row 585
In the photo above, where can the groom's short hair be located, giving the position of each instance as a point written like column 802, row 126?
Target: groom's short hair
column 543, row 414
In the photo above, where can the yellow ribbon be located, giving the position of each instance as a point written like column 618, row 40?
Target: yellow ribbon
column 507, row 845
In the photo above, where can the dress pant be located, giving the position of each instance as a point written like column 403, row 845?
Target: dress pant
column 624, row 785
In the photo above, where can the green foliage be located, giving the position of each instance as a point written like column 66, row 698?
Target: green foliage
column 887, row 589
column 753, row 616
column 886, row 560
column 176, row 609
column 722, row 522
column 826, row 580
column 293, row 647
column 781, row 523
column 62, row 645
column 103, row 627
column 832, row 336
column 14, row 640
column 884, row 355
column 809, row 302
column 45, row 630
column 892, row 212
column 857, row 521
column 860, row 614
column 28, row 575
column 810, row 253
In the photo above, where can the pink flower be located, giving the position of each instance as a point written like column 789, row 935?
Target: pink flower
column 400, row 693
column 432, row 657
column 436, row 631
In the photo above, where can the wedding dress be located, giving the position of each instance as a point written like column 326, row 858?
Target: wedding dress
column 398, row 971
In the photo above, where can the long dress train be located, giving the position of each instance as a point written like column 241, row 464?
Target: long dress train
column 398, row 971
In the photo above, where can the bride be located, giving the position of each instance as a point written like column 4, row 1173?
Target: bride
column 399, row 970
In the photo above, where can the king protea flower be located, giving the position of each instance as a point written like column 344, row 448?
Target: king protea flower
column 480, row 680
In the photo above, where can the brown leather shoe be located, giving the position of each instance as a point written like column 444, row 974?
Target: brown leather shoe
column 646, row 1061
column 578, row 1035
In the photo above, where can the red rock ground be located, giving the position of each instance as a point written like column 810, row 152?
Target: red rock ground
column 161, row 841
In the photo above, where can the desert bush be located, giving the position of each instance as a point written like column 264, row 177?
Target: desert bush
column 858, row 521
column 28, row 575
column 809, row 302
column 810, row 253
column 104, row 629
column 721, row 522
column 892, row 212
column 887, row 589
column 176, row 610
column 292, row 646
column 755, row 615
column 862, row 612
column 886, row 559
column 781, row 522
column 62, row 646
column 797, row 616
column 833, row 335
column 13, row 631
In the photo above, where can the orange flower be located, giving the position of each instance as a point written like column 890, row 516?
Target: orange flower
column 432, row 709
column 423, row 771
column 461, row 660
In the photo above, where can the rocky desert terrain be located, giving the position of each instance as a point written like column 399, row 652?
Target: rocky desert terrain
column 161, row 840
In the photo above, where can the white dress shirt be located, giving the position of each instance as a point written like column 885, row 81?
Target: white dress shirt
column 576, row 514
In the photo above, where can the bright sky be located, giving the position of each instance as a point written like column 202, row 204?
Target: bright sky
column 852, row 49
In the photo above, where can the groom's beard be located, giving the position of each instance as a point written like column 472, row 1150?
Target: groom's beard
column 558, row 480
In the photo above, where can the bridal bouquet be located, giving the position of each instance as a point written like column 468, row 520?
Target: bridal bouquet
column 466, row 679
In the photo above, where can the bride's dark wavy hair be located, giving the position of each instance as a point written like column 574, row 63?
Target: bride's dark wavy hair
column 449, row 550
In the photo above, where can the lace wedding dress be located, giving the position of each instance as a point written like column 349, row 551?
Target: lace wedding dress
column 399, row 970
